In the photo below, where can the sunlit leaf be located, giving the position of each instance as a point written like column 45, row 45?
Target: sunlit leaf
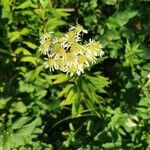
column 25, row 4
column 29, row 59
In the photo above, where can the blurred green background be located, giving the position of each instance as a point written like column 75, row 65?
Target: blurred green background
column 31, row 117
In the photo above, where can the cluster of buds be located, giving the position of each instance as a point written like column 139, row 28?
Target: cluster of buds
column 67, row 54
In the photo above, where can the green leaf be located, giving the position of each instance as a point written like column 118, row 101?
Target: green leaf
column 65, row 90
column 61, row 79
column 119, row 19
column 112, row 34
column 76, row 105
column 18, row 141
column 132, row 54
column 70, row 97
column 18, row 107
column 20, row 122
column 101, row 135
column 23, row 134
column 42, row 105
column 28, row 129
column 146, row 67
column 53, row 23
column 24, row 31
column 26, row 4
column 22, row 50
column 6, row 4
column 17, row 34
column 30, row 44
column 14, row 36
column 25, row 87
column 145, row 101
column 110, row 2
column 3, row 102
column 89, row 90
column 98, row 82
column 44, row 3
column 112, row 145
column 7, row 144
column 29, row 59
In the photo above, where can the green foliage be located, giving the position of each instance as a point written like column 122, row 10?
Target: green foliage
column 107, row 107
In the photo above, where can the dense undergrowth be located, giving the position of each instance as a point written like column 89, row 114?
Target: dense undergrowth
column 107, row 107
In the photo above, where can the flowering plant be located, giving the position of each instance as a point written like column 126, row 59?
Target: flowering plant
column 67, row 54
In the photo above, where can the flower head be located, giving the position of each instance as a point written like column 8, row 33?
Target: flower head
column 67, row 54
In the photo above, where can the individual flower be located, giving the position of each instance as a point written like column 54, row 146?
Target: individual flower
column 45, row 36
column 58, row 49
column 61, row 64
column 50, row 63
column 45, row 47
column 72, row 37
column 70, row 58
column 45, row 41
column 95, row 48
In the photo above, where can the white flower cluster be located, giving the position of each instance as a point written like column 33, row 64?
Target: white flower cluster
column 66, row 54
